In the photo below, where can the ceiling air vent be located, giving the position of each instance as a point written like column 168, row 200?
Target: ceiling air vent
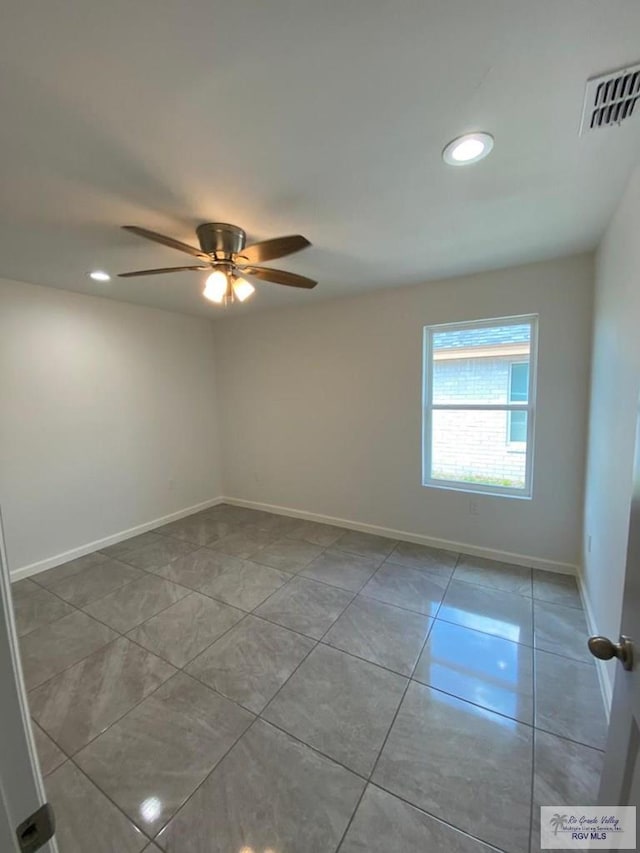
column 611, row 99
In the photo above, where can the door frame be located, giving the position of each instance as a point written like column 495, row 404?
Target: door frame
column 21, row 787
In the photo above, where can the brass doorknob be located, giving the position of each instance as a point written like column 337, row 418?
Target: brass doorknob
column 603, row 648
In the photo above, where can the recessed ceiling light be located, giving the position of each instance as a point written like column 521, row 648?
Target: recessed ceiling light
column 468, row 149
column 100, row 275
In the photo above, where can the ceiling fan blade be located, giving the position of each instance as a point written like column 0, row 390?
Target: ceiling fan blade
column 268, row 250
column 159, row 271
column 165, row 241
column 280, row 277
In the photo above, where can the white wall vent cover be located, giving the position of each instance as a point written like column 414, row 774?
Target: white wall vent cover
column 611, row 99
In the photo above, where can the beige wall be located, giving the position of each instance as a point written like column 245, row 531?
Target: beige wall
column 102, row 404
column 614, row 407
column 320, row 409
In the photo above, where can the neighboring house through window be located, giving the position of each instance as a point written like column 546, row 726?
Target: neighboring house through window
column 479, row 405
column 518, row 393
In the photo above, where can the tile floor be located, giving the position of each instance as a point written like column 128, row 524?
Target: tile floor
column 240, row 682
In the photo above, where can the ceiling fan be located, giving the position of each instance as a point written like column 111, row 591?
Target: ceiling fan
column 223, row 252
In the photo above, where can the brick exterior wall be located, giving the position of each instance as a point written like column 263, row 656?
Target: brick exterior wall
column 474, row 446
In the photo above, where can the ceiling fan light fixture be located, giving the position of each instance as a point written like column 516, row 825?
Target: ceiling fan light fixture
column 242, row 289
column 224, row 256
column 468, row 149
column 216, row 286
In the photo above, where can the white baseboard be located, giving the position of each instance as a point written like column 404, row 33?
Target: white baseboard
column 89, row 547
column 604, row 673
column 348, row 524
column 417, row 538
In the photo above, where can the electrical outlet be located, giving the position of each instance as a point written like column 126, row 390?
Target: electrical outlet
column 172, row 484
column 474, row 508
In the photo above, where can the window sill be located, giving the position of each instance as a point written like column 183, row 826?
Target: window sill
column 516, row 447
column 479, row 489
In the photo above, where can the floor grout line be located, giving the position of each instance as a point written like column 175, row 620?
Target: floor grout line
column 391, row 725
column 202, row 651
column 113, row 802
column 308, row 637
column 316, row 642
column 436, row 817
column 314, row 639
column 138, row 624
column 410, row 679
column 193, row 793
column 256, row 717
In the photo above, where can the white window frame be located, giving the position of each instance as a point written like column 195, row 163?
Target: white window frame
column 428, row 407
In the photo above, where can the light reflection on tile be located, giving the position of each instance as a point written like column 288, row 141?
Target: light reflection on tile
column 480, row 668
column 493, row 611
column 272, row 794
column 406, row 587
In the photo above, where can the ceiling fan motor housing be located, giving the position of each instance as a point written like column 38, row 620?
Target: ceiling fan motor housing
column 221, row 239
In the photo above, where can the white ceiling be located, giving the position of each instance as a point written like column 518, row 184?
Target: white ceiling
column 324, row 118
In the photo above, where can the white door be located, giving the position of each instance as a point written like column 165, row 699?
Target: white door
column 21, row 789
column 620, row 783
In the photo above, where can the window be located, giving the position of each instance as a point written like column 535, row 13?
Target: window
column 479, row 404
